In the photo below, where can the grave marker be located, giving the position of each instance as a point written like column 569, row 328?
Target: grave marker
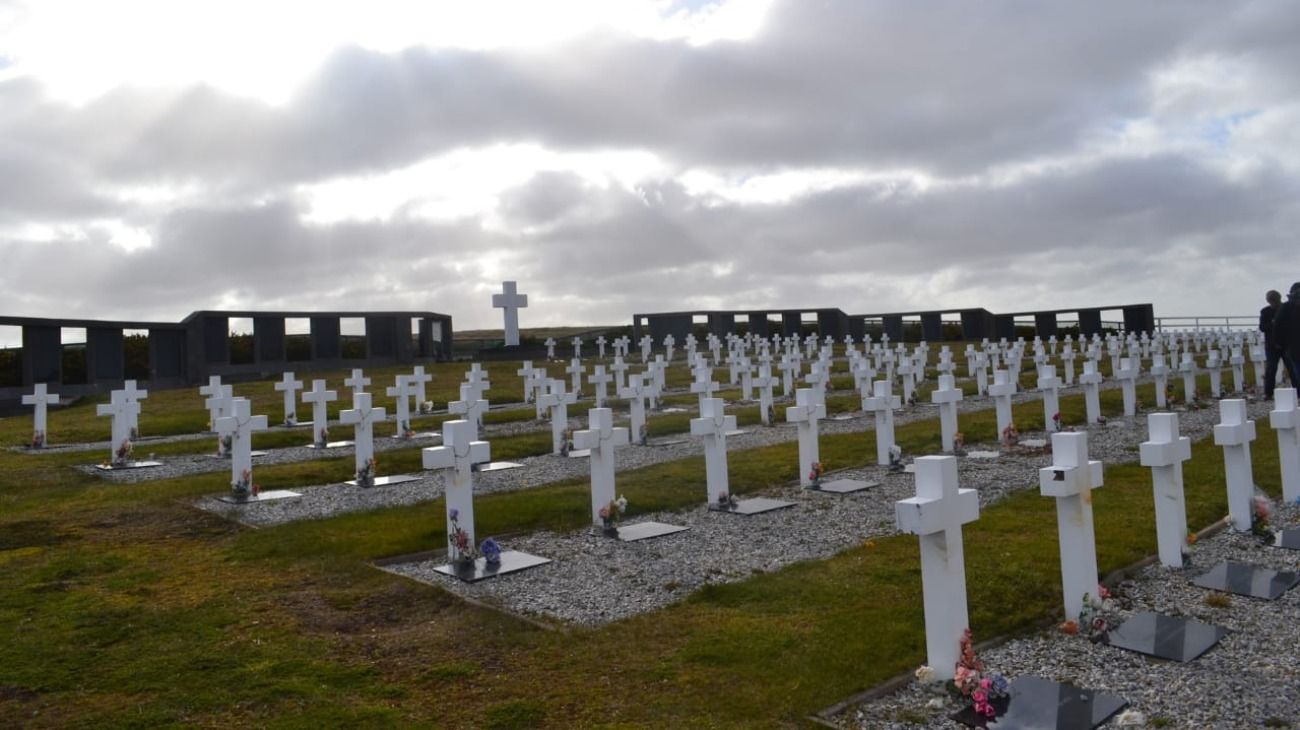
column 1285, row 420
column 1091, row 381
column 363, row 417
column 601, row 438
column 40, row 399
column 558, row 402
column 806, row 413
column 1234, row 433
column 1071, row 479
column 319, row 399
column 946, row 396
column 510, row 301
column 1165, row 453
column 290, row 388
column 1001, row 392
column 883, row 403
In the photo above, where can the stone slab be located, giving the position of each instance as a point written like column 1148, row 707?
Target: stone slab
column 841, row 417
column 737, row 432
column 1245, row 579
column 580, row 453
column 497, row 466
column 512, row 561
column 983, row 454
column 331, row 445
column 667, row 442
column 754, row 506
column 647, row 530
column 299, row 424
column 674, row 409
column 268, row 496
column 128, row 466
column 1034, row 443
column 1037, row 703
column 388, row 481
column 1289, row 539
column 844, row 486
column 1167, row 637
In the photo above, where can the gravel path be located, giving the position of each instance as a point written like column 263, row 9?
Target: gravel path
column 594, row 579
column 1250, row 679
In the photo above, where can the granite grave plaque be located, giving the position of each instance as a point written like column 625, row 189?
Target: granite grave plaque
column 1245, row 579
column 1167, row 637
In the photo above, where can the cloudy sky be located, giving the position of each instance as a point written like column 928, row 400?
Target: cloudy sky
column 640, row 155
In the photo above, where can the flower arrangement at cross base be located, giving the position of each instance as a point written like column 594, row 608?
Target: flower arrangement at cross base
column 223, row 445
column 38, row 440
column 135, row 434
column 459, row 548
column 123, row 453
column 566, row 442
column 243, row 488
column 291, row 419
column 815, row 475
column 491, row 551
column 322, row 437
column 985, row 691
column 1010, row 436
column 959, row 443
column 1096, row 616
column 643, row 437
column 1056, row 421
column 611, row 513
column 726, row 501
column 426, row 407
column 1261, row 517
column 366, row 474
column 895, row 458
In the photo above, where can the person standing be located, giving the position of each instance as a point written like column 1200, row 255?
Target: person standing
column 1272, row 352
column 1286, row 332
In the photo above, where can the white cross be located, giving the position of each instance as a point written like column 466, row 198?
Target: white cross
column 905, row 371
column 239, row 427
column 319, row 399
column 1234, row 433
column 134, row 395
column 946, row 396
column 1050, row 386
column 620, row 369
column 401, row 393
column 883, row 403
column 817, row 377
column 470, row 407
column 550, row 348
column 1067, row 365
column 936, row 515
column 1285, row 420
column 1160, row 373
column 789, row 368
column 418, row 379
column 646, row 344
column 458, row 455
column 363, row 417
column 1215, row 368
column 669, row 342
column 1259, row 358
column 357, row 382
column 558, row 402
column 765, row 382
column 576, row 371
column 713, row 424
column 600, row 347
column 1238, row 362
column 510, row 302
column 290, row 388
column 121, row 411
column 41, row 399
column 526, row 372
column 806, row 413
column 1091, row 381
column 219, row 406
column 1071, row 479
column 1001, row 391
column 1127, row 375
column 1188, row 369
column 703, row 385
column 536, row 382
column 477, row 379
column 601, row 380
column 1165, row 453
column 214, row 384
column 602, row 438
column 636, row 393
column 577, row 348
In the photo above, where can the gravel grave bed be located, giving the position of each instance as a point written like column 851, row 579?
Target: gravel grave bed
column 1250, row 679
column 594, row 579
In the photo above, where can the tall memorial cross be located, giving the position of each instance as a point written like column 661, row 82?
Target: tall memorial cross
column 290, row 388
column 510, row 301
column 806, row 413
column 713, row 425
column 936, row 515
column 947, row 396
column 602, row 438
column 1070, row 480
column 457, row 456
column 363, row 416
column 1165, row 453
column 1234, row 433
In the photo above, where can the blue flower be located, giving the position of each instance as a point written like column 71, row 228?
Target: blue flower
column 491, row 550
column 999, row 686
column 454, row 514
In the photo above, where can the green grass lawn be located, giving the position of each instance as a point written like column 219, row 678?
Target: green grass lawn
column 123, row 606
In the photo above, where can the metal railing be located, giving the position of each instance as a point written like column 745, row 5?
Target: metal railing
column 1243, row 322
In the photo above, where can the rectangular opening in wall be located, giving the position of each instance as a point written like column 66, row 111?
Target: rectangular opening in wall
column 950, row 326
column 135, row 354
column 11, row 356
column 1112, row 322
column 1067, row 326
column 700, row 326
column 912, row 331
column 874, row 328
column 1026, row 327
column 241, row 340
column 297, row 339
column 73, row 341
column 352, row 332
column 808, row 324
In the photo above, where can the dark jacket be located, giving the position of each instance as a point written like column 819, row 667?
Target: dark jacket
column 1266, row 317
column 1286, row 328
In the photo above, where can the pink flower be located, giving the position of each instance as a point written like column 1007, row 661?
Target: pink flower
column 980, row 696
